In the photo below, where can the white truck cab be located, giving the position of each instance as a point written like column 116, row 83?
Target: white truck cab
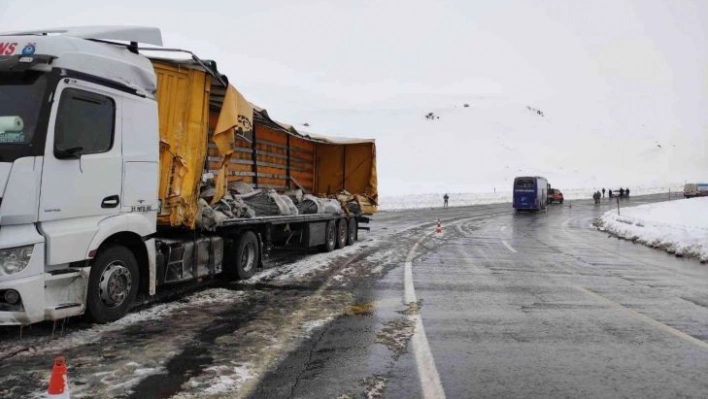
column 78, row 118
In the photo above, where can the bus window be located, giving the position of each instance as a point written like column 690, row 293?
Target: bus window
column 524, row 183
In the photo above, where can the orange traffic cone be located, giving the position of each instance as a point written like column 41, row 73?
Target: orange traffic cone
column 58, row 384
column 438, row 229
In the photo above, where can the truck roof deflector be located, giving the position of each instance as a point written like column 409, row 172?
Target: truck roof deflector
column 140, row 34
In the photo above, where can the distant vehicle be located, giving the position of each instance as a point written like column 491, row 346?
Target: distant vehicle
column 530, row 193
column 555, row 195
column 695, row 190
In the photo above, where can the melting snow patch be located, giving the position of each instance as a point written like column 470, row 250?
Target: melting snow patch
column 395, row 335
column 200, row 298
column 311, row 326
column 226, row 379
column 243, row 373
column 219, row 379
column 148, row 371
column 220, row 384
column 303, row 268
column 679, row 227
column 374, row 387
column 94, row 333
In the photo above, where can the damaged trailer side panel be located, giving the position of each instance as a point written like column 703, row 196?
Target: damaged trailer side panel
column 183, row 106
column 206, row 127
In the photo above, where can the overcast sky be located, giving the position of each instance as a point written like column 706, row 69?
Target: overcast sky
column 644, row 61
column 342, row 53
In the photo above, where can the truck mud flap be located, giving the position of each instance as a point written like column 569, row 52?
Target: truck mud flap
column 363, row 220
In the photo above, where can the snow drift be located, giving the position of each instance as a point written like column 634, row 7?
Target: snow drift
column 679, row 227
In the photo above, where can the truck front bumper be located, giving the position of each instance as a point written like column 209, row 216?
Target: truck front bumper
column 31, row 306
column 28, row 282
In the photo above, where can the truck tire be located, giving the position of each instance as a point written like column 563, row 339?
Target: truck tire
column 342, row 233
column 247, row 255
column 352, row 230
column 330, row 237
column 113, row 284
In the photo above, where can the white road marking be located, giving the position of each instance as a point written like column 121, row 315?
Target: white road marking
column 427, row 372
column 503, row 228
column 659, row 325
column 506, row 244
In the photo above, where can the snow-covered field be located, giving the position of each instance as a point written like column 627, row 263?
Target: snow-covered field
column 680, row 226
column 480, row 149
column 415, row 201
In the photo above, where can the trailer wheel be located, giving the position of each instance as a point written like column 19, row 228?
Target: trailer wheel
column 247, row 255
column 352, row 230
column 342, row 233
column 330, row 237
column 113, row 284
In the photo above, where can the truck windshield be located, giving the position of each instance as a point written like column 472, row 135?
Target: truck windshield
column 21, row 95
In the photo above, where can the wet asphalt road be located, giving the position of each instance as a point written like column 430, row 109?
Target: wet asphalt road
column 513, row 305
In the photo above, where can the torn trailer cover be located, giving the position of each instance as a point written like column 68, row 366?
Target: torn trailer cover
column 206, row 127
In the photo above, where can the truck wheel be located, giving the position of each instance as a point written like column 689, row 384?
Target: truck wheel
column 342, row 233
column 330, row 237
column 113, row 284
column 352, row 229
column 247, row 255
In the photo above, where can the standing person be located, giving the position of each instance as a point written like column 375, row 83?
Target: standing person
column 609, row 193
column 621, row 192
column 446, row 198
column 603, row 192
column 627, row 193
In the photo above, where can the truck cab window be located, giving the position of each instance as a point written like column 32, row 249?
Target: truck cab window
column 85, row 122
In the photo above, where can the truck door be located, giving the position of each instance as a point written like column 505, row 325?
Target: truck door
column 81, row 178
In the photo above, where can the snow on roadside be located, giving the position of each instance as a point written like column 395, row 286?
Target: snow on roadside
column 310, row 326
column 679, row 227
column 217, row 381
column 435, row 200
column 307, row 266
column 95, row 332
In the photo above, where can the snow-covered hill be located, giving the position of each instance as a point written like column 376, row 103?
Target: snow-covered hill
column 482, row 147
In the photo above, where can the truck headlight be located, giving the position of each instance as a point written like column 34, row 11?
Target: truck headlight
column 14, row 260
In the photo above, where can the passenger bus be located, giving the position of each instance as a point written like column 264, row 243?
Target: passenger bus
column 530, row 193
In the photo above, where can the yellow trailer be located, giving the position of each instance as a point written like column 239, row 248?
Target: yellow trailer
column 206, row 126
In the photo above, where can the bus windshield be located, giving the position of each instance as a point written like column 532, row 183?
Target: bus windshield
column 524, row 183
